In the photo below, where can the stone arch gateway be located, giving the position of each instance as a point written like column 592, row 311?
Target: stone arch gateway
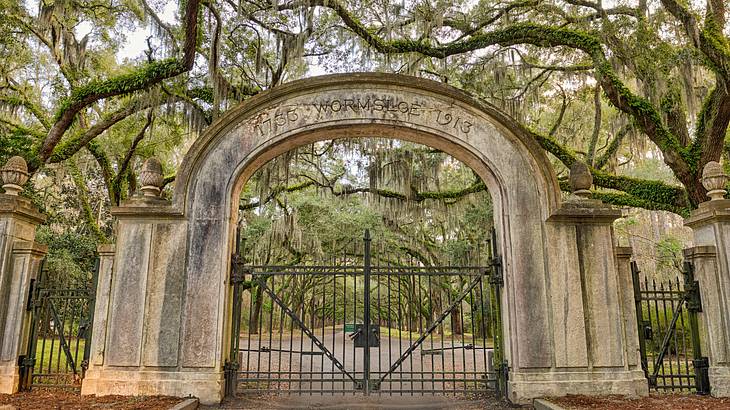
column 162, row 314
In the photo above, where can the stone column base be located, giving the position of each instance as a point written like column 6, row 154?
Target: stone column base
column 206, row 386
column 523, row 387
column 719, row 381
column 9, row 379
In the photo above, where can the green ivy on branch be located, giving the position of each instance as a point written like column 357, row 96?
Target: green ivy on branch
column 139, row 79
column 657, row 193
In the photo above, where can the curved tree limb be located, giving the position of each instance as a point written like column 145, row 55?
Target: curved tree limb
column 139, row 79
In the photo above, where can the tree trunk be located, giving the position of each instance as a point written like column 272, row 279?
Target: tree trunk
column 456, row 325
column 253, row 324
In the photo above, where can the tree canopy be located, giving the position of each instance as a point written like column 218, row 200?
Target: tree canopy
column 636, row 89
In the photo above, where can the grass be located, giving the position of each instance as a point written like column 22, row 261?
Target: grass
column 50, row 358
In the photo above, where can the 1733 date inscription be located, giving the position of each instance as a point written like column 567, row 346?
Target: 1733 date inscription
column 284, row 117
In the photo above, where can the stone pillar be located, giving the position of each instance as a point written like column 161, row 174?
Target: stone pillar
column 593, row 317
column 138, row 313
column 710, row 224
column 101, row 304
column 20, row 258
column 628, row 305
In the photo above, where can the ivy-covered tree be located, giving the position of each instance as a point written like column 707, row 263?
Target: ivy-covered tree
column 614, row 86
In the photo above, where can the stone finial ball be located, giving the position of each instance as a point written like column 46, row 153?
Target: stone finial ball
column 16, row 163
column 714, row 180
column 580, row 177
column 150, row 177
column 14, row 174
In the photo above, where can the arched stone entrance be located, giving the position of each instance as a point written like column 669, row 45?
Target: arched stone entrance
column 162, row 308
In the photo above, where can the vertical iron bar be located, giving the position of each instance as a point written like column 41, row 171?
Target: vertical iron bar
column 248, row 327
column 463, row 341
column 673, row 335
column 366, row 313
column 419, row 302
column 282, row 316
column 344, row 325
column 390, row 318
column 400, row 326
column 430, row 318
column 639, row 316
column 484, row 333
column 291, row 337
column 36, row 321
column 650, row 323
column 334, row 317
column 91, row 306
column 473, row 339
column 354, row 321
column 694, row 306
column 236, row 280
column 442, row 279
column 452, row 353
column 322, row 310
column 680, row 373
column 301, row 337
column 271, row 334
column 378, row 311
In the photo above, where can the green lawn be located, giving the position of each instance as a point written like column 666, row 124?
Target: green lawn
column 51, row 354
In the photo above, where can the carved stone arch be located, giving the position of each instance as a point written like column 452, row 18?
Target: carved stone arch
column 172, row 258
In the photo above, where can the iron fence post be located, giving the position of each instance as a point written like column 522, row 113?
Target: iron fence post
column 641, row 326
column 366, row 313
column 88, row 332
column 694, row 306
column 236, row 280
column 29, row 359
column 496, row 282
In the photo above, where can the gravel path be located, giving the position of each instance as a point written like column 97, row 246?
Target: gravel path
column 436, row 365
column 360, row 402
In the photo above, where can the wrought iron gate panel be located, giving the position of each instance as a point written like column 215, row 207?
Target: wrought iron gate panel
column 364, row 322
column 669, row 341
column 60, row 334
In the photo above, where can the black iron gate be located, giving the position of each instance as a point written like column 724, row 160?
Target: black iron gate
column 669, row 337
column 364, row 321
column 60, row 333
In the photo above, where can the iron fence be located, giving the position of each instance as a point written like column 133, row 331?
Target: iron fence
column 669, row 339
column 365, row 321
column 60, row 333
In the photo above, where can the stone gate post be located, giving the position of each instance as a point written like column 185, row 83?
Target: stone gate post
column 593, row 314
column 710, row 224
column 20, row 258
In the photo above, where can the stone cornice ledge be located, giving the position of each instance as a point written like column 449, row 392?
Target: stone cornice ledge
column 21, row 207
column 710, row 211
column 146, row 207
column 30, row 248
column 585, row 211
column 699, row 251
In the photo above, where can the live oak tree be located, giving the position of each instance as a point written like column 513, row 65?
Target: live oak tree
column 312, row 205
column 655, row 73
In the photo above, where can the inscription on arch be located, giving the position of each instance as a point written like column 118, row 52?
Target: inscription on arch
column 307, row 111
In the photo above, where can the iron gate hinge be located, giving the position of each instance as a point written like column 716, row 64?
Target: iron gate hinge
column 31, row 299
column 495, row 275
column 238, row 272
column 691, row 289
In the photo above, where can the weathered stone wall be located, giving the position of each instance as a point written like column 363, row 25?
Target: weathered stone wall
column 20, row 258
column 167, row 313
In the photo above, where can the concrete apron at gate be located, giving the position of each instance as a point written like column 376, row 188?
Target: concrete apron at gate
column 162, row 318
